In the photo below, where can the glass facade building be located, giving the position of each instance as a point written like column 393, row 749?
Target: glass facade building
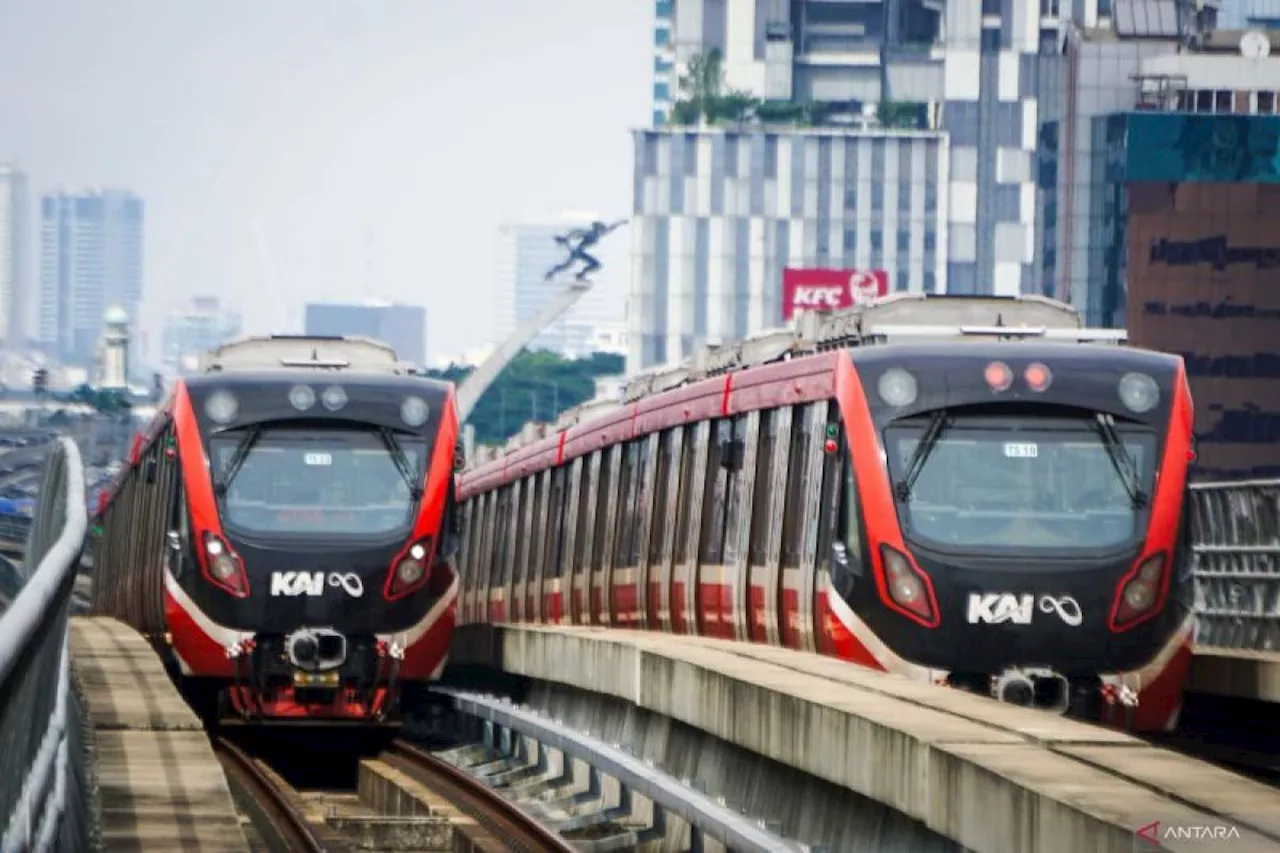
column 403, row 327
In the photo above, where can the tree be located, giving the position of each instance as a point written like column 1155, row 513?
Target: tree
column 703, row 97
column 535, row 386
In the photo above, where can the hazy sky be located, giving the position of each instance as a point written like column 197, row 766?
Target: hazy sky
column 376, row 144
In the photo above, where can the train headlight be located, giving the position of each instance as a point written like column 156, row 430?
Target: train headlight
column 1139, row 594
column 998, row 375
column 414, row 411
column 1139, row 392
column 221, row 407
column 411, row 569
column 333, row 398
column 907, row 587
column 302, row 397
column 223, row 566
column 897, row 387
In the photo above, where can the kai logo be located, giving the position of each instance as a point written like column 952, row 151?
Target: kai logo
column 1000, row 607
column 292, row 584
column 815, row 296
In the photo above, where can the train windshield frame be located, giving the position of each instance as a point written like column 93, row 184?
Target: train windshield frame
column 1020, row 484
column 330, row 480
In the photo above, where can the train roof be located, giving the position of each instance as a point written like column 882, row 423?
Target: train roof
column 349, row 379
column 1057, row 351
column 303, row 352
column 916, row 325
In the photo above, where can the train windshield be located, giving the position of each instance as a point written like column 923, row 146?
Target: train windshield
column 333, row 479
column 995, row 483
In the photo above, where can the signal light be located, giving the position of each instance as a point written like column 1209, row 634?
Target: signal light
column 832, row 430
column 830, row 446
column 1038, row 377
column 998, row 375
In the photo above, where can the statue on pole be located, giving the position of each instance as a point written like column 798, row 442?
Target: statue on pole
column 577, row 242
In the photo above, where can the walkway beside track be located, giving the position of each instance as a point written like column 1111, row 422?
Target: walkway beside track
column 1240, row 673
column 991, row 777
column 161, row 788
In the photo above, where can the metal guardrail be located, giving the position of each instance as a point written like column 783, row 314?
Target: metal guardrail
column 45, row 802
column 1235, row 535
column 706, row 816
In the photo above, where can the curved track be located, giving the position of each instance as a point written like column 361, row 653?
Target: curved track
column 507, row 823
column 287, row 823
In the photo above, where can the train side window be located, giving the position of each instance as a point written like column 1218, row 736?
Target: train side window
column 605, row 484
column 733, row 460
column 636, row 547
column 505, row 525
column 663, row 476
column 537, row 525
column 797, row 487
column 624, row 526
column 715, row 494
column 520, row 541
column 758, row 552
column 689, row 480
column 556, row 513
column 489, row 550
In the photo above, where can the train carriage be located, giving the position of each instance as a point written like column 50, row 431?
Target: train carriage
column 995, row 503
column 286, row 530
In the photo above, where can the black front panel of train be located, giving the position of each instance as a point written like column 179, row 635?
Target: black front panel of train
column 1003, row 615
column 339, row 587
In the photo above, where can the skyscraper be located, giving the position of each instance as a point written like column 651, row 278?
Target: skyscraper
column 402, row 327
column 15, row 286
column 199, row 329
column 526, row 251
column 90, row 258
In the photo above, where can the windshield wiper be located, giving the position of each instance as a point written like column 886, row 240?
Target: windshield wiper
column 937, row 424
column 237, row 460
column 401, row 461
column 1121, row 459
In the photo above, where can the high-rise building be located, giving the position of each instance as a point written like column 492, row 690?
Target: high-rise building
column 15, row 238
column 198, row 329
column 719, row 215
column 402, row 327
column 525, row 254
column 90, row 258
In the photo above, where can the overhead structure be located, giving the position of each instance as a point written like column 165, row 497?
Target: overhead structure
column 897, row 318
column 473, row 387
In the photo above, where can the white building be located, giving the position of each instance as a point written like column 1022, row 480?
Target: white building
column 15, row 237
column 526, row 252
column 187, row 334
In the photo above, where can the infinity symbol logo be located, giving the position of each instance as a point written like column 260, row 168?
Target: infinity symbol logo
column 1066, row 607
column 351, row 583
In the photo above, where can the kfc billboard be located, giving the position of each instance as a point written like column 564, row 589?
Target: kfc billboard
column 825, row 290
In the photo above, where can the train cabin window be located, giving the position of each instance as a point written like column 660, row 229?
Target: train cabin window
column 603, row 494
column 689, row 480
column 797, row 488
column 661, row 481
column 850, row 521
column 715, row 494
column 556, row 511
column 758, row 552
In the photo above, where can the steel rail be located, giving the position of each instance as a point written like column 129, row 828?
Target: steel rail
column 290, row 824
column 511, row 824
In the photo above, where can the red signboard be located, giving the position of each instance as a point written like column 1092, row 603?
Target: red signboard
column 826, row 290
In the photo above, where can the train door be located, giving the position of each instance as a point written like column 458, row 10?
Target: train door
column 576, row 489
column 715, row 582
column 558, row 503
column 684, row 585
column 800, row 524
column 767, row 508
column 744, row 449
column 606, row 513
column 660, row 533
column 620, row 591
column 534, row 567
column 504, row 532
column 589, row 510
column 645, row 478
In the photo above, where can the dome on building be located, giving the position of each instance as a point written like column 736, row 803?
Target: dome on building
column 116, row 316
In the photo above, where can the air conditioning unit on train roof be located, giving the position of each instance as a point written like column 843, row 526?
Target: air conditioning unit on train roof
column 304, row 352
column 655, row 381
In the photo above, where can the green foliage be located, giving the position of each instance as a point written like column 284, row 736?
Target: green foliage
column 536, row 385
column 703, row 99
